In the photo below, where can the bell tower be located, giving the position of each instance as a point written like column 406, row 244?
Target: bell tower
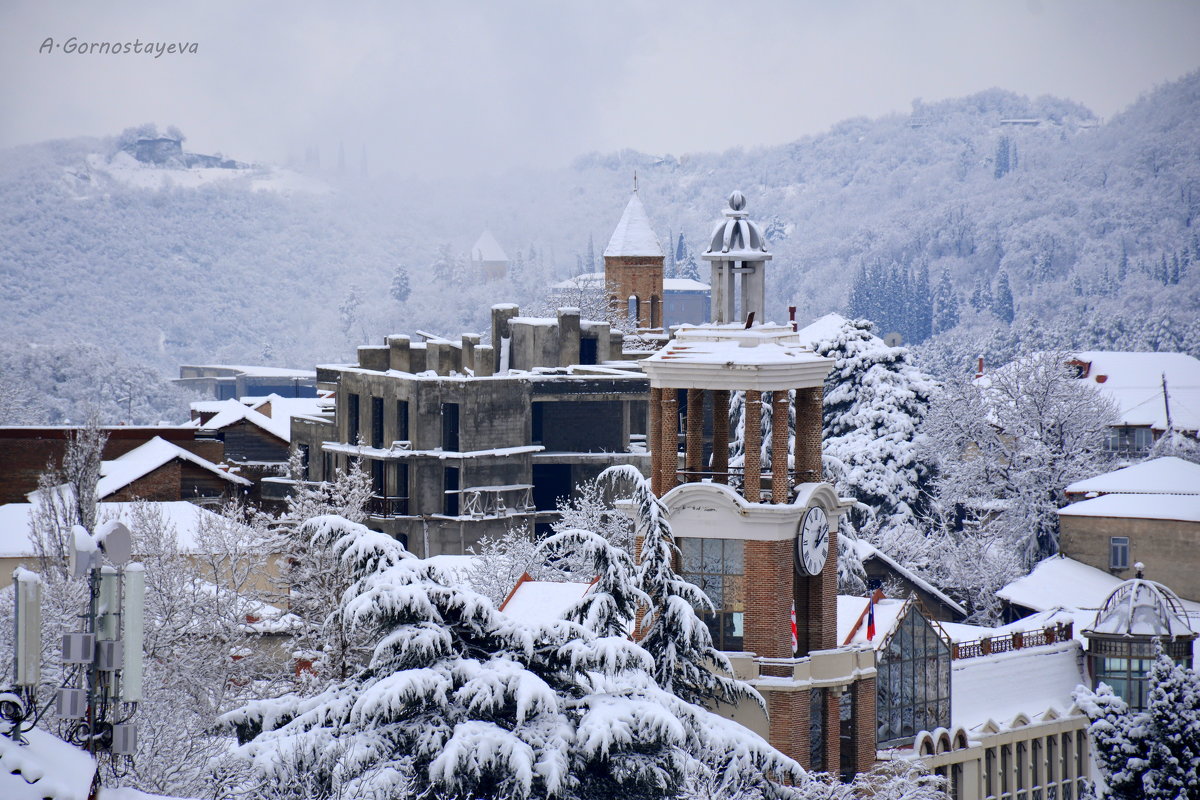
column 756, row 526
column 633, row 267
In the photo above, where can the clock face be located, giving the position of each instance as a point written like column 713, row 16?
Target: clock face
column 812, row 546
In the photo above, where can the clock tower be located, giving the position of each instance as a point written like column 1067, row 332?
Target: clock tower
column 756, row 526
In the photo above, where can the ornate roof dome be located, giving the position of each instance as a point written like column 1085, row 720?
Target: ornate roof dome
column 736, row 233
column 1141, row 607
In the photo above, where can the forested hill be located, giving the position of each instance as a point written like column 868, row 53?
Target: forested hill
column 1092, row 221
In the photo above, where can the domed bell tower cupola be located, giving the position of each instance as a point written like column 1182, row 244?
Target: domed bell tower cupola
column 738, row 254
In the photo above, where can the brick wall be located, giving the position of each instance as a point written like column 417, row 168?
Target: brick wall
column 790, row 723
column 865, row 724
column 160, row 485
column 769, row 569
column 636, row 275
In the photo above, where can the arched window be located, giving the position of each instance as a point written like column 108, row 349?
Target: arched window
column 634, row 309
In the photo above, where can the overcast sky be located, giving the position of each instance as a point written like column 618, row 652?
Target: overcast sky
column 430, row 87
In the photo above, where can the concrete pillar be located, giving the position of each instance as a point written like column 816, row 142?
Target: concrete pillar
column 754, row 291
column 720, row 454
column 435, row 357
column 374, row 357
column 752, row 479
column 694, row 446
column 417, row 354
column 779, row 447
column 568, row 336
column 616, row 346
column 807, row 450
column 603, row 341
column 469, row 342
column 669, row 440
column 654, row 440
column 398, row 358
column 501, row 314
column 484, row 360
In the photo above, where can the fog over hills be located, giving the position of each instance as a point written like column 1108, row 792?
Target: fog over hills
column 160, row 265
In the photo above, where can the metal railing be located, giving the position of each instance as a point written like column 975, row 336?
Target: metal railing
column 387, row 507
column 1018, row 640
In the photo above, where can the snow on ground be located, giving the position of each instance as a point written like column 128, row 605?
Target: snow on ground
column 1168, row 475
column 1029, row 682
column 1185, row 508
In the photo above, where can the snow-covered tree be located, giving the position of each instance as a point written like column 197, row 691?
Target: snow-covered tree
column 945, row 312
column 1002, row 305
column 1154, row 754
column 1174, row 443
column 875, row 400
column 458, row 701
column 400, row 288
column 1008, row 444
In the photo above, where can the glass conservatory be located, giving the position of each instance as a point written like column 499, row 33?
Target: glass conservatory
column 913, row 691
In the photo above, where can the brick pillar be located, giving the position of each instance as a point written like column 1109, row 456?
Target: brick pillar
column 694, row 452
column 720, row 457
column 808, row 434
column 789, row 712
column 833, row 734
column 752, row 480
column 865, row 725
column 779, row 447
column 768, row 592
column 668, row 441
column 653, row 439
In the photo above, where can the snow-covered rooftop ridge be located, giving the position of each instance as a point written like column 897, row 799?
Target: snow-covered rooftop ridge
column 584, row 280
column 684, row 285
column 486, row 248
column 262, row 372
column 1180, row 507
column 539, row 602
column 633, row 235
column 45, row 767
column 186, row 519
column 279, row 426
column 1141, row 607
column 852, row 620
column 867, row 550
column 1134, row 382
column 1006, row 687
column 1060, row 582
column 144, row 459
column 1168, row 475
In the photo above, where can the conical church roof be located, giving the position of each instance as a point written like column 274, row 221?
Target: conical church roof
column 634, row 236
column 488, row 249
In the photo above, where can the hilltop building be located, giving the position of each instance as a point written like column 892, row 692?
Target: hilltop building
column 227, row 381
column 488, row 259
column 633, row 267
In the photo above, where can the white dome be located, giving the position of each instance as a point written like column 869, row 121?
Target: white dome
column 1141, row 607
column 736, row 233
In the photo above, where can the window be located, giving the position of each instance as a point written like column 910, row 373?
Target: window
column 1118, row 552
column 450, row 487
column 1021, row 770
column 537, row 431
column 913, row 689
column 402, row 420
column 1126, row 439
column 717, row 567
column 1051, row 765
column 989, row 773
column 352, row 418
column 848, row 749
column 1035, row 768
column 450, row 426
column 816, row 730
column 376, row 422
column 377, row 477
column 1005, row 770
column 588, row 351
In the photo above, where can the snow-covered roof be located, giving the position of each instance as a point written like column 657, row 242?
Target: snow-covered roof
column 488, row 249
column 1060, row 582
column 261, row 372
column 823, row 329
column 764, row 358
column 1134, row 382
column 1140, row 607
column 1026, row 682
column 852, row 619
column 684, row 285
column 585, row 280
column 633, row 235
column 1167, row 475
column 141, row 461
column 16, row 535
column 866, row 550
column 539, row 602
column 1183, row 507
column 46, row 768
column 279, row 426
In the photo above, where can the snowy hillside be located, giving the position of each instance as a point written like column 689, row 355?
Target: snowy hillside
column 172, row 265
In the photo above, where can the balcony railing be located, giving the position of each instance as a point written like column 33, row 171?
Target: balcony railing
column 387, row 507
column 1018, row 640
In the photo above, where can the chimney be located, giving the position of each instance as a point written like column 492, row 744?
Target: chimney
column 399, row 358
column 484, row 363
column 979, row 368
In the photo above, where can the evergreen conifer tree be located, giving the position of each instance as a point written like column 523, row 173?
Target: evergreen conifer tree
column 945, row 304
column 591, row 255
column 1002, row 305
column 400, row 288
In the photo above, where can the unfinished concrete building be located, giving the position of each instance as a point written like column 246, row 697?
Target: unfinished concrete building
column 464, row 440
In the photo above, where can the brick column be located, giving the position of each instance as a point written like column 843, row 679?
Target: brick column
column 808, row 434
column 789, row 712
column 865, row 725
column 833, row 733
column 694, row 452
column 779, row 447
column 720, row 456
column 768, row 592
column 752, row 480
column 653, row 439
column 668, row 441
